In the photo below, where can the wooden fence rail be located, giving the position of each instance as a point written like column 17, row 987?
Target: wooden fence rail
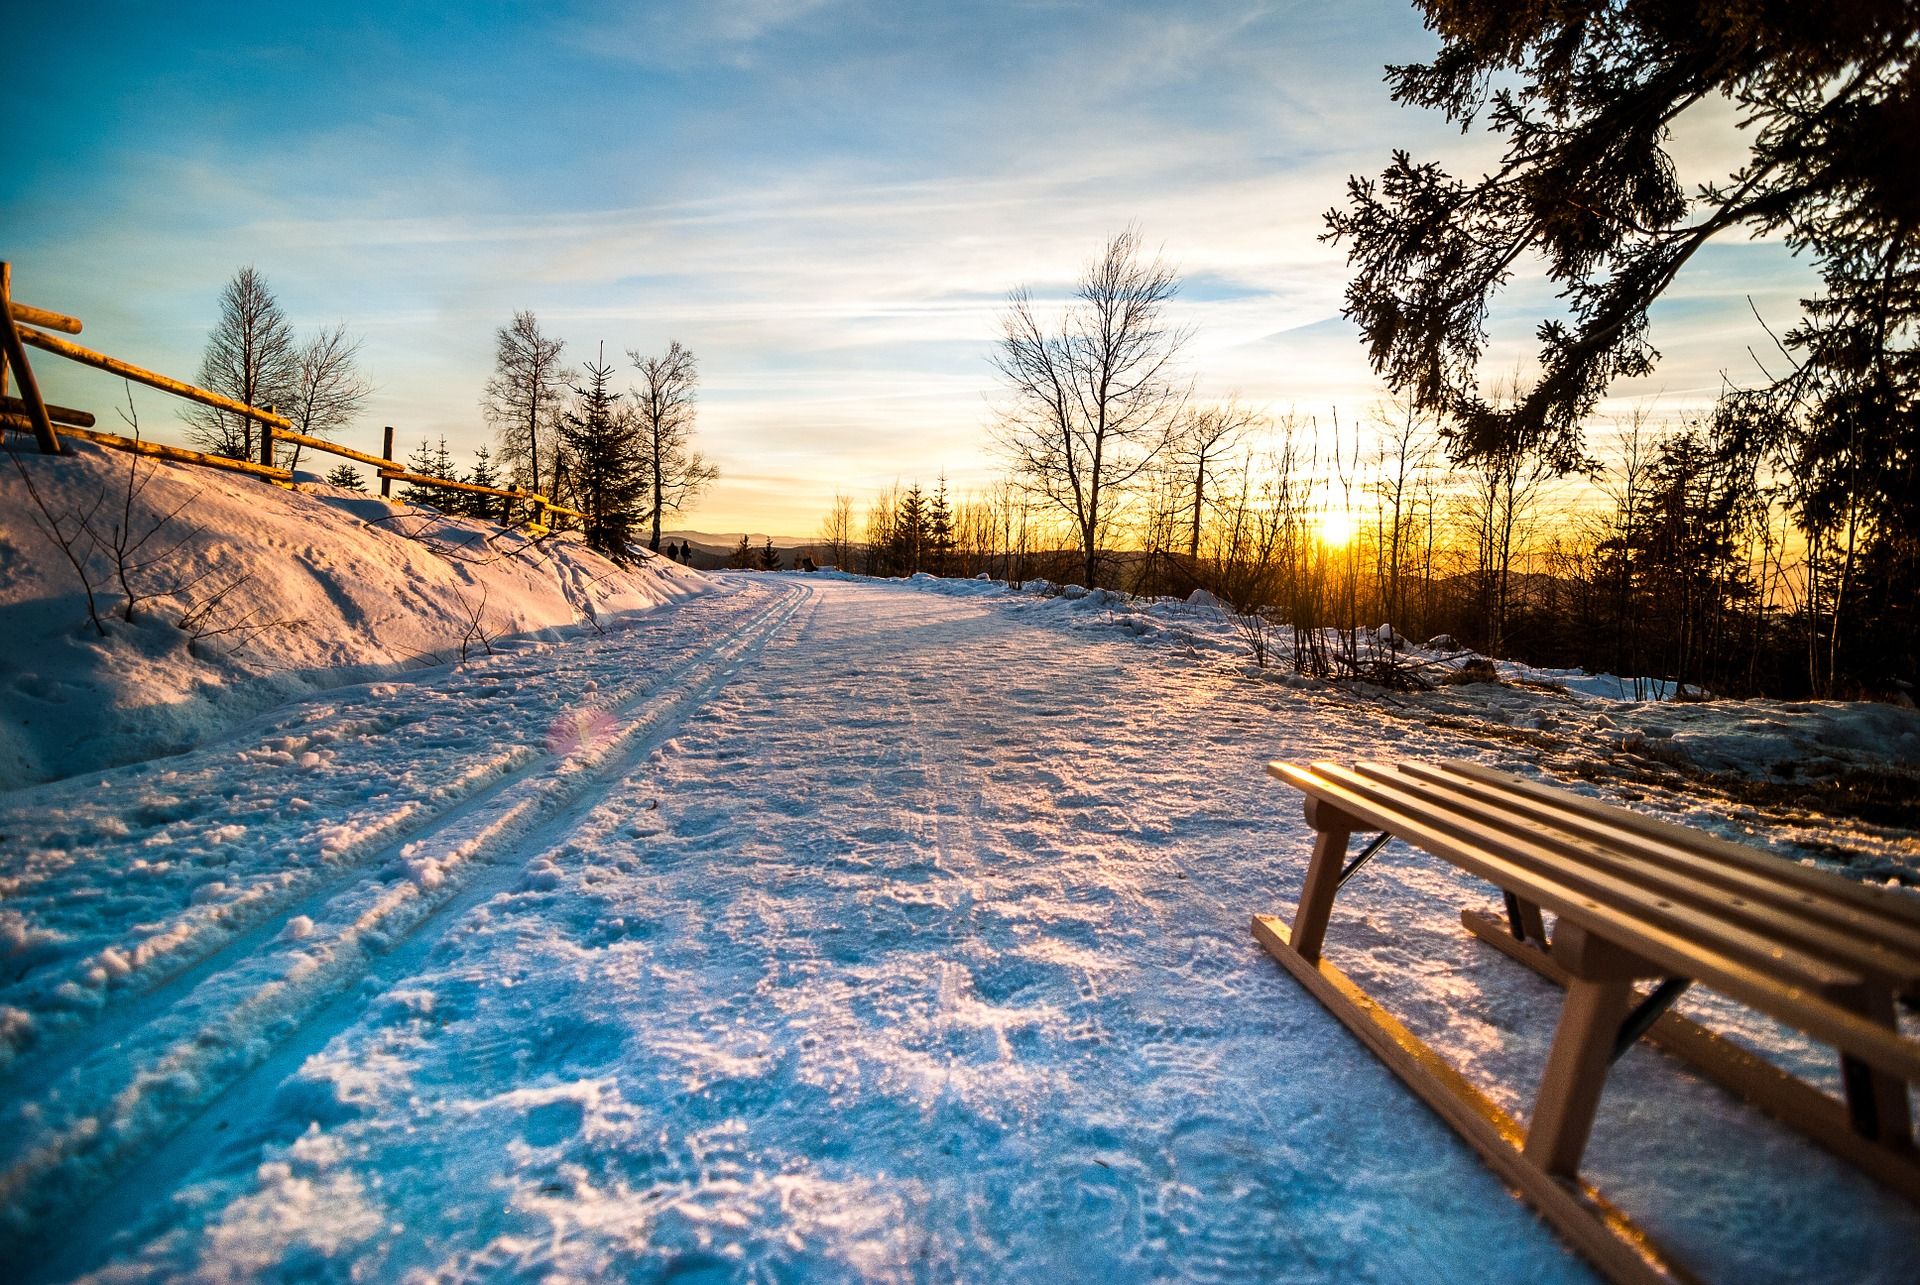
column 30, row 412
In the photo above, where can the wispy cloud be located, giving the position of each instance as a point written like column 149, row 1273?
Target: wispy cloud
column 827, row 201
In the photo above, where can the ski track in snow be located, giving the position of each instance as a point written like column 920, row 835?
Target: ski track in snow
column 811, row 929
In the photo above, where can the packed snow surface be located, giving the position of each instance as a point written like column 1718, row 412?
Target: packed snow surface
column 249, row 594
column 811, row 929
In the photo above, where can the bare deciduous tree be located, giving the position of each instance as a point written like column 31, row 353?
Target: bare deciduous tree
column 665, row 400
column 328, row 388
column 251, row 358
column 1202, row 437
column 1092, row 403
column 836, row 533
column 525, row 393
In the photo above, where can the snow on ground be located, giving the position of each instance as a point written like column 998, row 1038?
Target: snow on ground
column 813, row 928
column 297, row 591
column 1778, row 771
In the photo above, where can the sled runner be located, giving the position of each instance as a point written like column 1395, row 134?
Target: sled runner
column 1634, row 900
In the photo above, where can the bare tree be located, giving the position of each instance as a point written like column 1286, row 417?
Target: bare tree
column 525, row 393
column 251, row 358
column 665, row 399
column 836, row 533
column 1092, row 403
column 328, row 388
column 1202, row 437
column 1405, row 445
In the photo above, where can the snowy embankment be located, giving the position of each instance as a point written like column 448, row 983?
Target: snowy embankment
column 248, row 595
column 810, row 930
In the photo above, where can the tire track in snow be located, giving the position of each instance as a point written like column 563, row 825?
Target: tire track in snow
column 247, row 1021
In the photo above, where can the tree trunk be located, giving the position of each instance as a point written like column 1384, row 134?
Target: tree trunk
column 659, row 498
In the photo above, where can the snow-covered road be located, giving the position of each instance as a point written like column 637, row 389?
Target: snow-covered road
column 808, row 929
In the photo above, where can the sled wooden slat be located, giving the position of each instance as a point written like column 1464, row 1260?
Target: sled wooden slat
column 1685, row 921
column 1882, row 901
column 1790, row 917
column 1893, row 942
column 1634, row 899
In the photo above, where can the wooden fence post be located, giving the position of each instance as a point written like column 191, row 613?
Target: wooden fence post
column 266, row 438
column 386, row 451
column 16, row 356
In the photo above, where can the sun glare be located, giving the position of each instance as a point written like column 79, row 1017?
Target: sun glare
column 1336, row 528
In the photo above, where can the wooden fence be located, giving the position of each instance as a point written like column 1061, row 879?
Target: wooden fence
column 21, row 325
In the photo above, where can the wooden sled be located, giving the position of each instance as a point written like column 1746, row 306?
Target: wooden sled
column 1634, row 900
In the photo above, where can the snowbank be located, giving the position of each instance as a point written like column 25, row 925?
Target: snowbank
column 260, row 594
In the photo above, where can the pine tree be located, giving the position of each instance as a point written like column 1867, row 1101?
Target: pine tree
column 769, row 556
column 347, row 478
column 742, row 557
column 603, row 456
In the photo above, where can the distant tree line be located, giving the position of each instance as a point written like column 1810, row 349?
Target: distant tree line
column 1685, row 557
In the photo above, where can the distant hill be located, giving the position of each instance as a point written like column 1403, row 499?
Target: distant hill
column 712, row 549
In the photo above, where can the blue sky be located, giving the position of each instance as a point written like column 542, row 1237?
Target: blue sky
column 826, row 201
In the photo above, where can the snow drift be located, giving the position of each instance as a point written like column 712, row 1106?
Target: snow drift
column 246, row 595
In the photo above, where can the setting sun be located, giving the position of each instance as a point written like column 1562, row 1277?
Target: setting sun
column 1337, row 528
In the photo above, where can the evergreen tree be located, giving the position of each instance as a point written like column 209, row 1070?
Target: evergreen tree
column 483, row 473
column 910, row 532
column 601, row 459
column 940, row 531
column 1586, row 96
column 742, row 558
column 433, row 461
column 769, row 556
column 347, row 478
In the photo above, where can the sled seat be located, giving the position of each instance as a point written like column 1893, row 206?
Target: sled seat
column 1634, row 901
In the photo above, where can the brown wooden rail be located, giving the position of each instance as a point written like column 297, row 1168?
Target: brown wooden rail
column 161, row 451
column 141, row 375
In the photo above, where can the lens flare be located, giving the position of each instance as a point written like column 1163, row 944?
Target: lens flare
column 578, row 731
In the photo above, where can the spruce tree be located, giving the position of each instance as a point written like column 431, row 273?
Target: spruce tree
column 603, row 452
column 910, row 532
column 433, row 461
column 940, row 530
column 483, row 473
column 769, row 556
column 347, row 478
